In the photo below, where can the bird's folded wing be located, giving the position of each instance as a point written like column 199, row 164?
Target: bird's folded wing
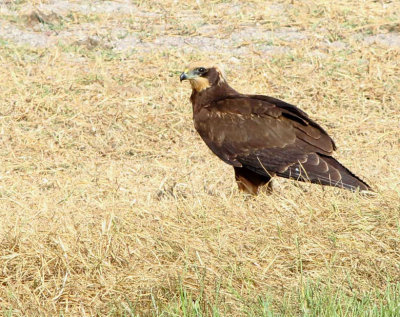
column 243, row 126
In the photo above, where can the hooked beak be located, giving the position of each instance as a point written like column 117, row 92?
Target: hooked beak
column 183, row 76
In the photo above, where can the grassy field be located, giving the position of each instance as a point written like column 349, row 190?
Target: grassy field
column 110, row 203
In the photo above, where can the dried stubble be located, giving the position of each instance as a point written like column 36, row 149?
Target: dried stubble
column 109, row 200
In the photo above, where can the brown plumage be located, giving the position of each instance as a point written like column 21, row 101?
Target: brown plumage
column 261, row 136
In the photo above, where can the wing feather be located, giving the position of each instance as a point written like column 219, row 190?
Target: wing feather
column 243, row 126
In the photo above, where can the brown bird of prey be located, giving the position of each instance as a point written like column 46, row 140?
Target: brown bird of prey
column 261, row 136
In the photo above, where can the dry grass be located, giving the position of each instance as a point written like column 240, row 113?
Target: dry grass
column 110, row 202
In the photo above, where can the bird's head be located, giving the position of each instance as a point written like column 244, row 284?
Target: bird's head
column 203, row 75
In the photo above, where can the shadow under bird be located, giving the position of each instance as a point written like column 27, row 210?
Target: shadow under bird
column 261, row 136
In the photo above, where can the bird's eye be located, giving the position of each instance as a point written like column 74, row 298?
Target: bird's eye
column 201, row 69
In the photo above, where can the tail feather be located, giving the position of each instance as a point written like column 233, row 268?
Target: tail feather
column 348, row 177
column 325, row 170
